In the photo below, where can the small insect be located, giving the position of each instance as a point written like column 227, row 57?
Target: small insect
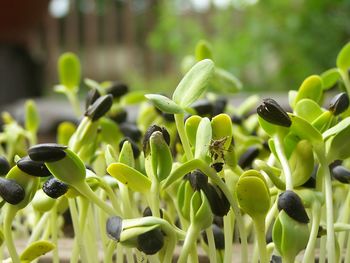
column 217, row 148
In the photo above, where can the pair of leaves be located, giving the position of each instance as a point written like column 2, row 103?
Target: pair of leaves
column 190, row 88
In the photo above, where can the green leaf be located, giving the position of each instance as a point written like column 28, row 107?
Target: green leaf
column 224, row 82
column 203, row 138
column 343, row 59
column 311, row 88
column 129, row 176
column 164, row 104
column 183, row 198
column 194, row 83
column 70, row 169
column 36, row 249
column 65, row 131
column 343, row 124
column 339, row 147
column 109, row 131
column 126, row 155
column 253, row 195
column 289, row 236
column 324, row 121
column 133, row 97
column 301, row 162
column 200, row 211
column 330, row 78
column 32, row 119
column 308, row 109
column 191, row 126
column 69, row 70
column 162, row 159
column 203, row 50
column 305, row 130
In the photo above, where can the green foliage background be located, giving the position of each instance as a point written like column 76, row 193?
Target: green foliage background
column 271, row 45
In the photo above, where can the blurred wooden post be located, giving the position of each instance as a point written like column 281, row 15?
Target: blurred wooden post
column 71, row 30
column 110, row 41
column 91, row 62
column 52, row 47
column 128, row 32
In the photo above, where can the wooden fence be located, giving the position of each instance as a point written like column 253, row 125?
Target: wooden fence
column 110, row 38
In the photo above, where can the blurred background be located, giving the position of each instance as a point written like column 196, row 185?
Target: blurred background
column 270, row 45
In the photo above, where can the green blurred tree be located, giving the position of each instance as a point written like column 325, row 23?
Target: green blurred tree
column 271, row 45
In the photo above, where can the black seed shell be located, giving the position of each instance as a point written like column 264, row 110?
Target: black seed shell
column 149, row 132
column 114, row 227
column 339, row 103
column 272, row 112
column 47, row 152
column 219, row 237
column 130, row 130
column 135, row 148
column 54, row 188
column 198, row 180
column 35, row 168
column 148, row 212
column 100, row 107
column 91, row 97
column 217, row 200
column 150, row 242
column 117, row 89
column 120, row 116
column 291, row 203
column 248, row 157
column 4, row 166
column 203, row 107
column 11, row 191
column 342, row 174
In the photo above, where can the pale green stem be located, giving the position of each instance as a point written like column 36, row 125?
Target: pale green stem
column 102, row 225
column 259, row 224
column 154, row 198
column 309, row 254
column 92, row 244
column 211, row 245
column 129, row 255
column 322, row 254
column 78, row 240
column 110, row 251
column 284, row 162
column 54, row 234
column 169, row 252
column 344, row 218
column 179, row 120
column 329, row 211
column 83, row 188
column 74, row 101
column 120, row 254
column 193, row 255
column 228, row 230
column 191, row 238
column 8, row 238
column 347, row 254
column 346, row 80
column 39, row 228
